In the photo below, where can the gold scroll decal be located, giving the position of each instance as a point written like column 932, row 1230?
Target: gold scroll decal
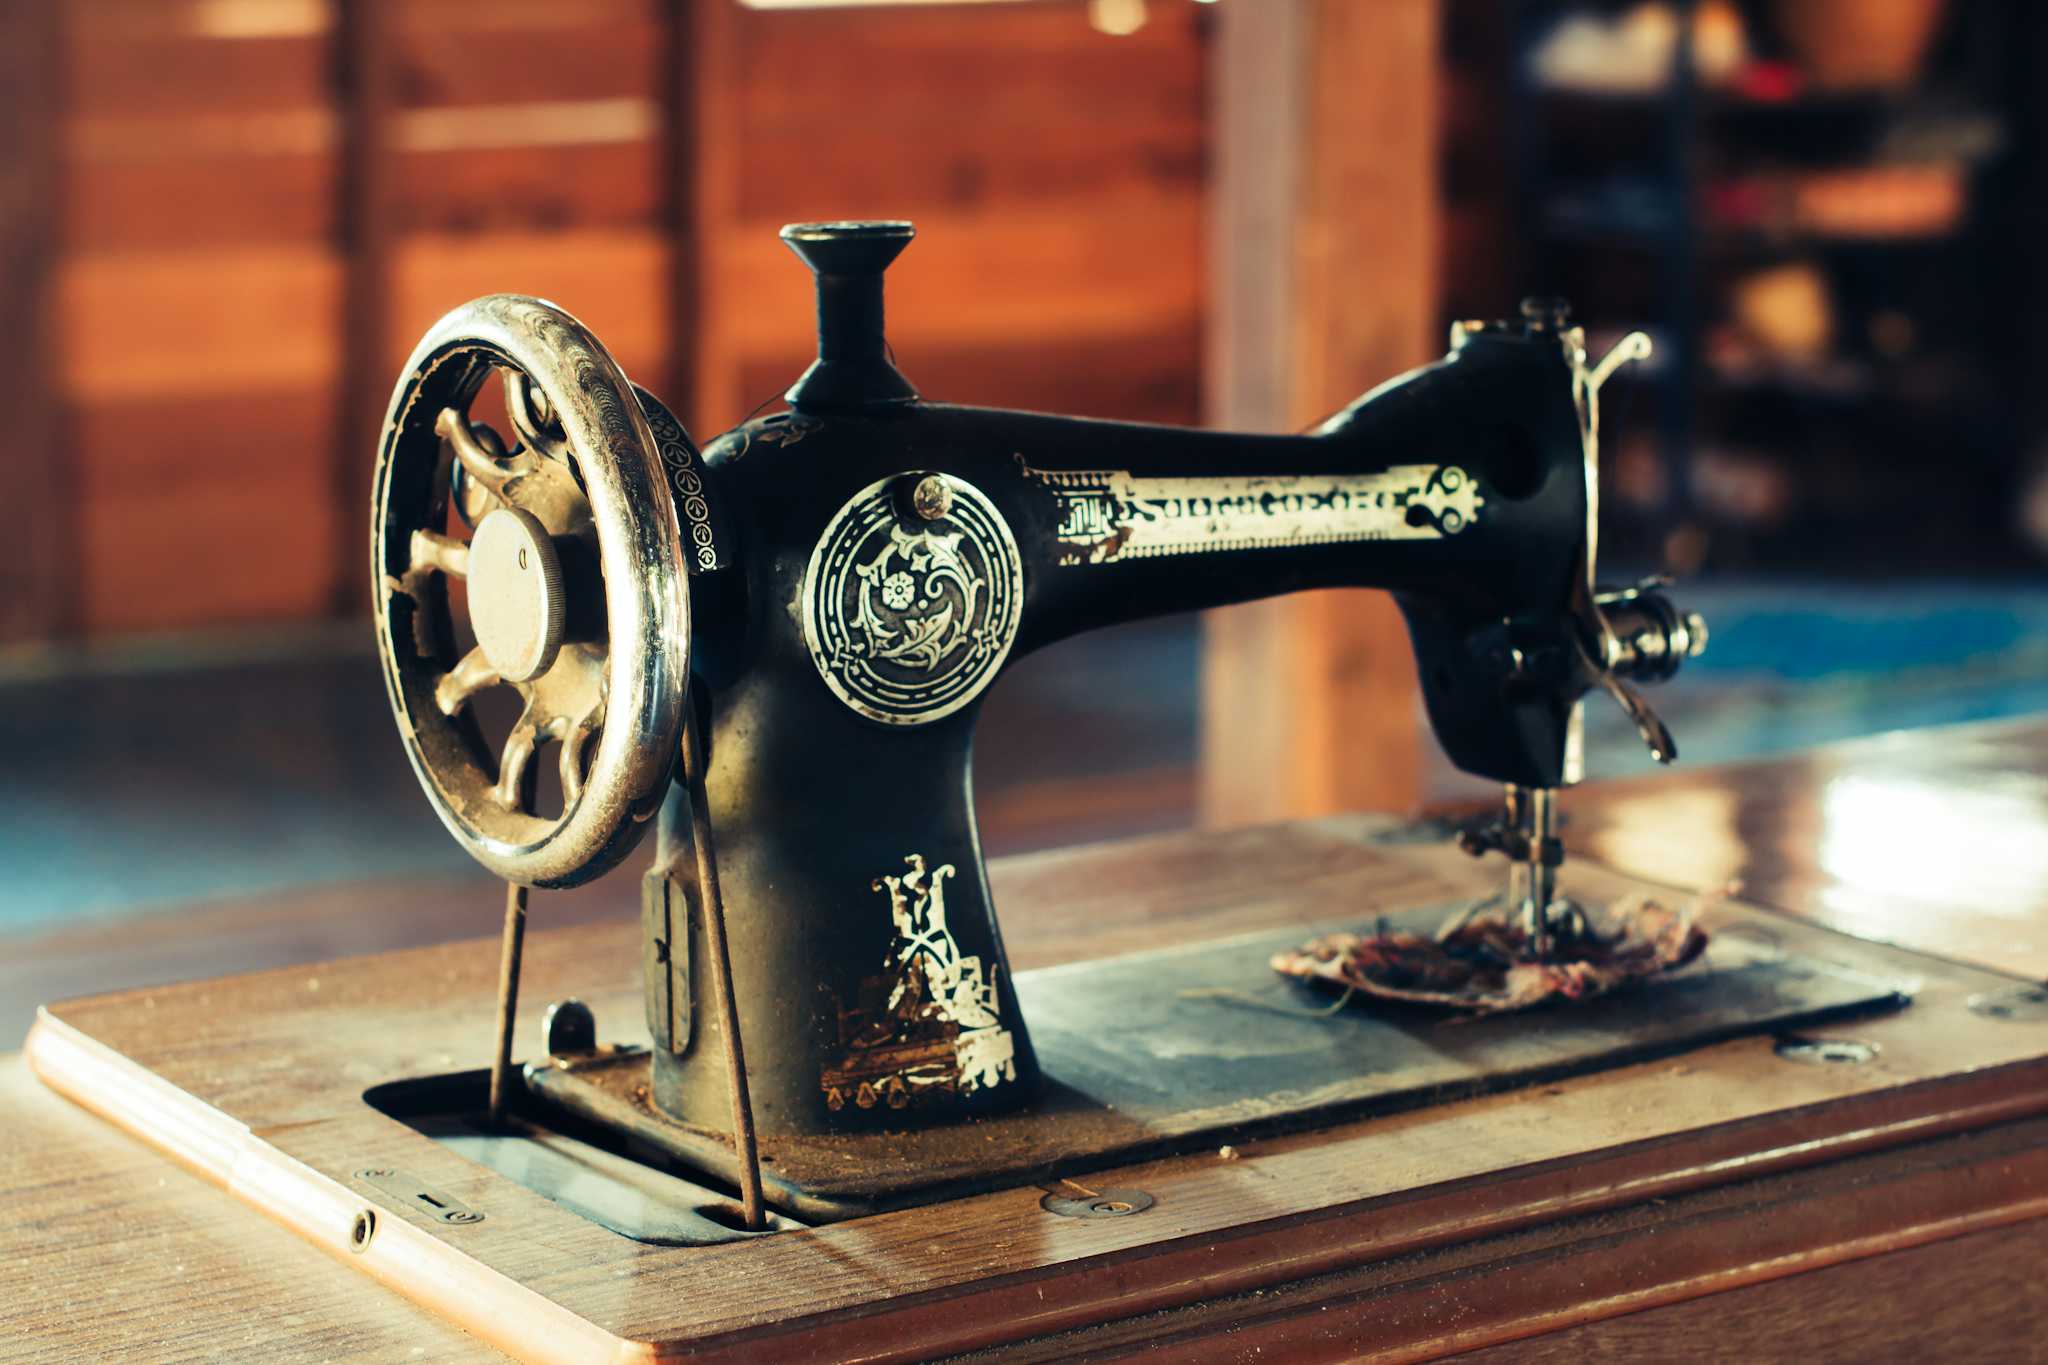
column 1108, row 515
column 930, row 1027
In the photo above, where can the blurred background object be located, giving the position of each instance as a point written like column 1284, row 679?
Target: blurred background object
column 1859, row 44
column 226, row 221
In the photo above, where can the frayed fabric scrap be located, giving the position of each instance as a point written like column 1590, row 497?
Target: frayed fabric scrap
column 1483, row 964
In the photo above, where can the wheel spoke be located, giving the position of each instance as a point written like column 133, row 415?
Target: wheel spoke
column 573, row 746
column 431, row 551
column 537, row 429
column 519, row 746
column 488, row 468
column 464, row 681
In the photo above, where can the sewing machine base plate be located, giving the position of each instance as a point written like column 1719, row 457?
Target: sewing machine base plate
column 1184, row 1048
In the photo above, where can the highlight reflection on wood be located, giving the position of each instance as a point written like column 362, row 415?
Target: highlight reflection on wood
column 1936, row 840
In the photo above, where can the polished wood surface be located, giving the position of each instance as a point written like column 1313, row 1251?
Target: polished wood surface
column 110, row 1252
column 1770, row 1270
column 1936, row 840
column 1952, row 1301
column 1588, row 1217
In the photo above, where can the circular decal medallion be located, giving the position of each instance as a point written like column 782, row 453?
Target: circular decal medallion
column 909, row 619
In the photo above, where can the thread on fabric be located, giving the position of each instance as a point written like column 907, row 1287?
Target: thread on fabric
column 1230, row 996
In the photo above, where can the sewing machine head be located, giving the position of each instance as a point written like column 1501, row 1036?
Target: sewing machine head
column 821, row 597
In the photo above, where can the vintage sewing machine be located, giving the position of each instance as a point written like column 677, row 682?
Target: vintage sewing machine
column 821, row 598
column 770, row 653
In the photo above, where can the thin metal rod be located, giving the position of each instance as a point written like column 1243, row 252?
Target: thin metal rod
column 1539, row 825
column 1518, row 870
column 508, row 998
column 748, row 1149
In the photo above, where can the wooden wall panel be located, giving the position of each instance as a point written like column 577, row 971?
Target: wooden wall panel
column 365, row 192
column 575, row 141
column 479, row 55
column 115, row 203
column 707, row 162
column 1037, row 109
column 113, row 70
column 1021, row 273
column 200, row 18
column 1310, row 702
column 221, row 321
column 613, row 281
column 1149, row 377
column 1058, row 201
column 201, row 416
column 200, row 304
column 245, row 248
column 528, row 189
column 36, row 550
column 190, row 521
column 521, row 152
column 177, row 136
column 546, row 19
column 1071, row 319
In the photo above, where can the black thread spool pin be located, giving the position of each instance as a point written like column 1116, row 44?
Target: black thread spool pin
column 853, row 369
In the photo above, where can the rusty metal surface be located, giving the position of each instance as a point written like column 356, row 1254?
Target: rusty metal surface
column 1187, row 1047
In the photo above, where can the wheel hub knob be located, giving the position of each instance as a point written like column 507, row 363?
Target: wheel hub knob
column 516, row 599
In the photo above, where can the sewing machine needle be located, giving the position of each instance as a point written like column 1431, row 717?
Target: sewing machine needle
column 508, row 998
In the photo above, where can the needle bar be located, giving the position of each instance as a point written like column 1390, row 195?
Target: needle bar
column 1539, row 829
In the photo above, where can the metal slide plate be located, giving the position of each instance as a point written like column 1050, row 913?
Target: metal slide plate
column 1165, row 1051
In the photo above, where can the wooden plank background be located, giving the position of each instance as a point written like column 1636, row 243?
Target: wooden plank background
column 1327, row 280
column 254, row 219
column 200, row 306
column 36, row 546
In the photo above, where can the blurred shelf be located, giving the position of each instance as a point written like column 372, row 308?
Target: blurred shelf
column 1644, row 221
column 1734, row 104
column 1883, row 388
column 1880, row 223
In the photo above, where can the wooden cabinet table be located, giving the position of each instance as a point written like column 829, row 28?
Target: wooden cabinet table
column 1725, row 1203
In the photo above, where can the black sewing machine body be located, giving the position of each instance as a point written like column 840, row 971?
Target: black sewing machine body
column 774, row 651
column 851, row 646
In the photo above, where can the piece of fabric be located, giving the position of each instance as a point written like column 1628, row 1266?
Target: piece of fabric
column 1482, row 964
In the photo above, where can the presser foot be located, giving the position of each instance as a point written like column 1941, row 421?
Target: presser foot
column 1552, row 928
column 1526, row 831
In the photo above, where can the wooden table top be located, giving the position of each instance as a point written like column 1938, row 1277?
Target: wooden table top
column 107, row 1248
column 110, row 1251
column 1935, row 840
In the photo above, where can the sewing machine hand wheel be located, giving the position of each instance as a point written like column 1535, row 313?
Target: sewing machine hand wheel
column 574, row 578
